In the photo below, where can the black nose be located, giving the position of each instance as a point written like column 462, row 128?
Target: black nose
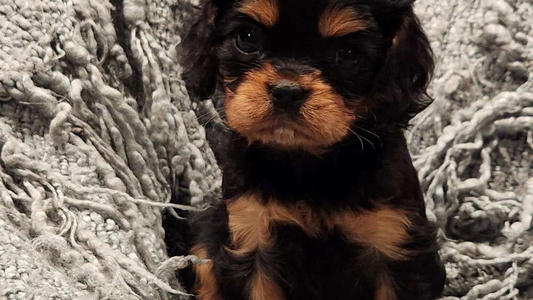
column 287, row 94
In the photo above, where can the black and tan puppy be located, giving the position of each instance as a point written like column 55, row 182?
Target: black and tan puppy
column 321, row 200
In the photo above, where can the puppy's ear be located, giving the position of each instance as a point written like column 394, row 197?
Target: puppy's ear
column 198, row 55
column 408, row 65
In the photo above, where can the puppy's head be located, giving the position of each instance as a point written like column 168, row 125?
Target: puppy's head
column 304, row 74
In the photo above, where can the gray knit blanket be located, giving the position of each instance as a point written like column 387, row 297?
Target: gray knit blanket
column 97, row 132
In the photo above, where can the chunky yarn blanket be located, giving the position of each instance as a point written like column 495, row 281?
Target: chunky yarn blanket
column 97, row 133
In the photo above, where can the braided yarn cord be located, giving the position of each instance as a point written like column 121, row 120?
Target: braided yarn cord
column 97, row 133
column 473, row 147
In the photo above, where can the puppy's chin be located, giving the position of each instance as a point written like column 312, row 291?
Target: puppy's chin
column 289, row 137
column 320, row 122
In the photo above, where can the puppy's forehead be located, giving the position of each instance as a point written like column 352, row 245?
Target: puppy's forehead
column 330, row 18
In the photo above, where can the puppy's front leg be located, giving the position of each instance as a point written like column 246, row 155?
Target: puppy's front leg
column 235, row 236
column 422, row 276
column 418, row 276
column 205, row 285
column 401, row 256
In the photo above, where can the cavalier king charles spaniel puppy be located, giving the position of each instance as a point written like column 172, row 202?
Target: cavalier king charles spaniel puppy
column 320, row 197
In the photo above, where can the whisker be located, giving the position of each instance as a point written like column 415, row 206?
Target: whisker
column 208, row 121
column 222, row 124
column 214, row 117
column 374, row 115
column 370, row 142
column 360, row 140
column 208, row 113
column 372, row 133
column 210, row 110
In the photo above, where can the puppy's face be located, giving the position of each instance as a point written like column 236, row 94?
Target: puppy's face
column 296, row 75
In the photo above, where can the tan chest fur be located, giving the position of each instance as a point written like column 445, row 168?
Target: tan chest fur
column 383, row 229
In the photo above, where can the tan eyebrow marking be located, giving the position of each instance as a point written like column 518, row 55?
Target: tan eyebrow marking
column 339, row 21
column 263, row 11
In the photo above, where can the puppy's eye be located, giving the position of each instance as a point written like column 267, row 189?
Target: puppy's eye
column 249, row 40
column 346, row 58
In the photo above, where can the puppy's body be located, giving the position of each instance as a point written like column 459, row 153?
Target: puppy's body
column 321, row 200
column 332, row 228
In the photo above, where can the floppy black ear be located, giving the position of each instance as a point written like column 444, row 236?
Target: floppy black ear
column 198, row 53
column 408, row 65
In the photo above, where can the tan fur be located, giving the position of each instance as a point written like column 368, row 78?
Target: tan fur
column 211, row 14
column 250, row 222
column 249, row 225
column 384, row 292
column 383, row 230
column 263, row 287
column 400, row 35
column 385, row 289
column 263, row 11
column 325, row 114
column 324, row 117
column 205, row 286
column 339, row 21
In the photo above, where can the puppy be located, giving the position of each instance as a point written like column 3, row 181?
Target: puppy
column 320, row 197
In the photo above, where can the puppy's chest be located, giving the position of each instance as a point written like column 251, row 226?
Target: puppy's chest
column 256, row 226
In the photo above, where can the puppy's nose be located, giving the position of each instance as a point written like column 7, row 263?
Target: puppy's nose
column 287, row 94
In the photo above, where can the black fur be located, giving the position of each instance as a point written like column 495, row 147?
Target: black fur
column 341, row 180
column 356, row 174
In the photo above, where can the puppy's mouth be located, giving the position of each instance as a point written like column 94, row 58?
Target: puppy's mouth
column 288, row 111
column 286, row 135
